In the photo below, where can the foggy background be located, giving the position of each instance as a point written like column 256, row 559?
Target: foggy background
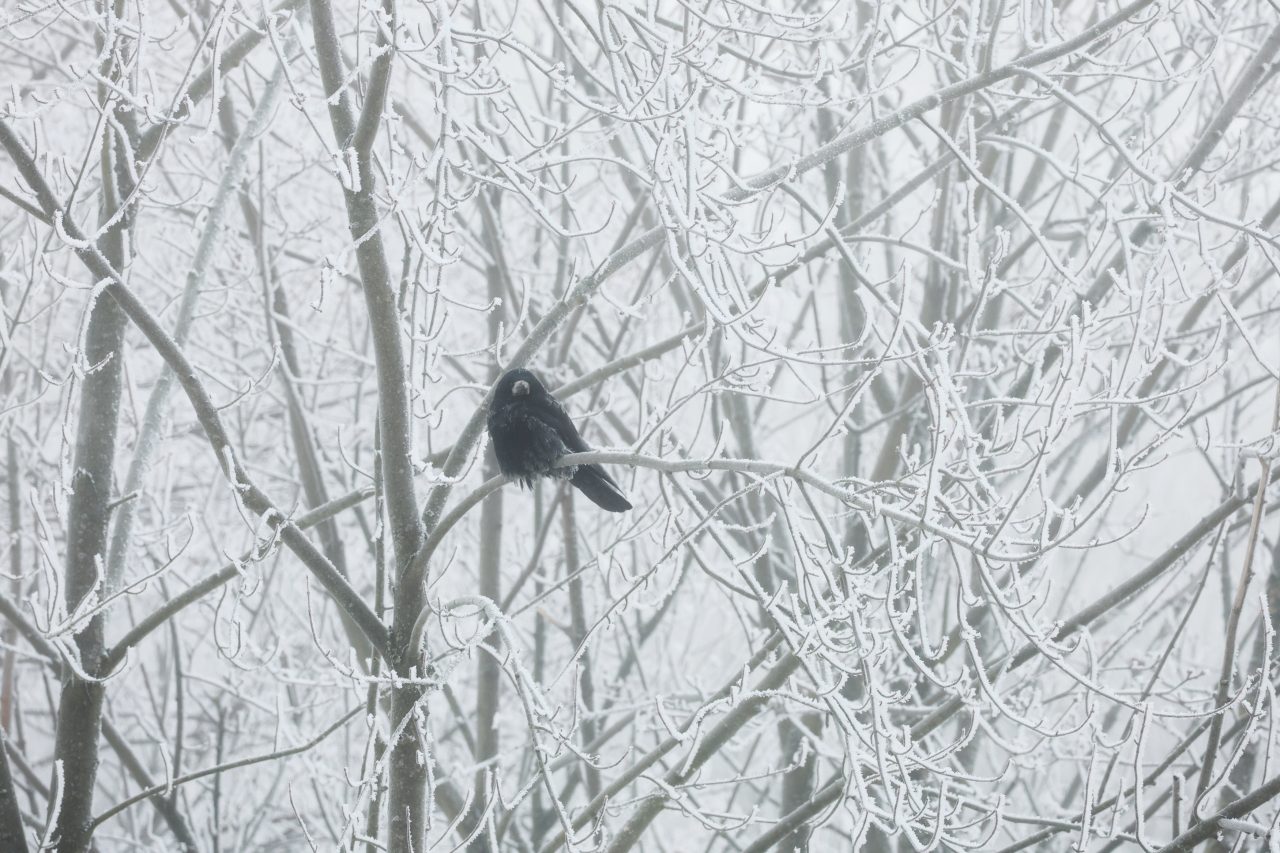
column 934, row 344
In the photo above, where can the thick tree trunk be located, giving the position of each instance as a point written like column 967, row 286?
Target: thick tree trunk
column 88, row 510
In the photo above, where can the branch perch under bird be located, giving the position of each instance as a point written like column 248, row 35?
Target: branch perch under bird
column 531, row 431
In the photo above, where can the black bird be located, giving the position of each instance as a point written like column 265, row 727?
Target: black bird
column 531, row 431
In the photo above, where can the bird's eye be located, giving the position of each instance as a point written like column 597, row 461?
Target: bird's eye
column 520, row 388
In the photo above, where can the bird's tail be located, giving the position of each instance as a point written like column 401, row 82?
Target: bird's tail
column 593, row 482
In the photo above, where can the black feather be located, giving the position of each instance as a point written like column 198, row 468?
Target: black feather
column 593, row 482
column 531, row 431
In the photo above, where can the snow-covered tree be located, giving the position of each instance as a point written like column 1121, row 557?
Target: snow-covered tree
column 934, row 344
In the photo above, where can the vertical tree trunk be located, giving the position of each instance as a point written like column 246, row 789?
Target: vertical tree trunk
column 489, row 671
column 354, row 134
column 9, row 634
column 80, row 704
column 799, row 782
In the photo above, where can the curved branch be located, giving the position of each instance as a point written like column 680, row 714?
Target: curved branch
column 1211, row 826
column 224, row 61
column 653, row 238
column 198, row 590
column 253, row 498
column 762, row 467
column 222, row 768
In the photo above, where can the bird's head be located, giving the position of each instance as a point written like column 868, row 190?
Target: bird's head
column 518, row 384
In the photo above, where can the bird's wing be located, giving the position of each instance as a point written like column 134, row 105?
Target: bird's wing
column 554, row 414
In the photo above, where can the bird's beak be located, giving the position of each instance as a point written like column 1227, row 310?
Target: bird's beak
column 520, row 389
